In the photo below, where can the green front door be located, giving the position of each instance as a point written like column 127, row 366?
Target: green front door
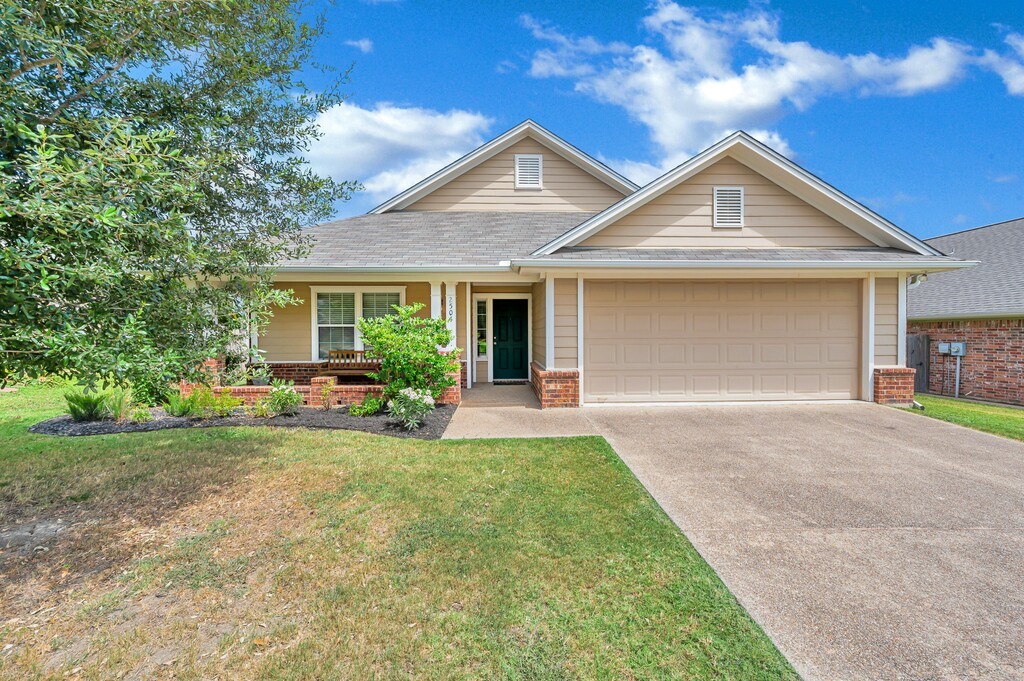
column 510, row 340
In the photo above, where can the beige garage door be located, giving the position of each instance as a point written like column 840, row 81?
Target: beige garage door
column 667, row 341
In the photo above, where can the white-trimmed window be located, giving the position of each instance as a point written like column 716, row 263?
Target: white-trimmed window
column 481, row 328
column 336, row 309
column 728, row 206
column 529, row 171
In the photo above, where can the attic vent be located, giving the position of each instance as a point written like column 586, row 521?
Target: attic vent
column 529, row 171
column 728, row 207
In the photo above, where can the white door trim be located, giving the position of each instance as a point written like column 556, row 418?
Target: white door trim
column 490, row 298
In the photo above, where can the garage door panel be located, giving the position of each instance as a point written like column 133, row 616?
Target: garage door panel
column 721, row 340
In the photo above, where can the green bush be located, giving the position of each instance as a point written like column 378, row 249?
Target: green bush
column 409, row 407
column 370, row 405
column 407, row 347
column 176, row 405
column 283, row 398
column 87, row 406
column 261, row 410
column 202, row 402
column 120, row 402
column 224, row 404
column 140, row 414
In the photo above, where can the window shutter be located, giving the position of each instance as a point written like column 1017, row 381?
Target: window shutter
column 728, row 207
column 529, row 171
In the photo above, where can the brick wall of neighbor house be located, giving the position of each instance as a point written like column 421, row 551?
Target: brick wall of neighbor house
column 993, row 368
column 555, row 387
column 894, row 385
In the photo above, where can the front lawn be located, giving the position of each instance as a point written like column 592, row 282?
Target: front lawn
column 1005, row 421
column 259, row 552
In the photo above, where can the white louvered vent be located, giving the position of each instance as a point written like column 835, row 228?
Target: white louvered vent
column 529, row 171
column 728, row 207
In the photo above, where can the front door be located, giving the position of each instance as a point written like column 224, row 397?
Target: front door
column 510, row 340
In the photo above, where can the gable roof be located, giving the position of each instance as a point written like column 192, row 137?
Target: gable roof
column 773, row 166
column 993, row 288
column 527, row 128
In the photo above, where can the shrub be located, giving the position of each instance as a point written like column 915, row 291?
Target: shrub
column 283, row 398
column 407, row 347
column 176, row 405
column 261, row 410
column 201, row 402
column 120, row 402
column 140, row 414
column 326, row 399
column 224, row 404
column 409, row 407
column 370, row 405
column 87, row 406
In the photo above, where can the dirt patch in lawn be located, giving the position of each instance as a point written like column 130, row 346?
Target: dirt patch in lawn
column 432, row 428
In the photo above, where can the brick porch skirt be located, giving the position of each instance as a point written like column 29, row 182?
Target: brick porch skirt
column 555, row 387
column 894, row 385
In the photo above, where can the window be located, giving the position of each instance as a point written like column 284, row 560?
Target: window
column 481, row 328
column 529, row 171
column 336, row 312
column 728, row 208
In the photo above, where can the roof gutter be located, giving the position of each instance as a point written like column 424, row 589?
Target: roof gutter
column 935, row 264
column 397, row 270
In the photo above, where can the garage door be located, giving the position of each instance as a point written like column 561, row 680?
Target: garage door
column 666, row 341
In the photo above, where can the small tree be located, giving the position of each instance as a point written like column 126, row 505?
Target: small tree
column 408, row 347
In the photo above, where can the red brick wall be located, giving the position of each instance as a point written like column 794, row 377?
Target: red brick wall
column 300, row 372
column 555, row 387
column 894, row 385
column 993, row 368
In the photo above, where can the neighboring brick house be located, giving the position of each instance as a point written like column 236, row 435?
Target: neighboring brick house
column 982, row 306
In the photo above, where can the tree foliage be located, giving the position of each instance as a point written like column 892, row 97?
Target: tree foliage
column 151, row 176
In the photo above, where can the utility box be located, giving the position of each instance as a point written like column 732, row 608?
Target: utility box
column 943, row 348
column 958, row 349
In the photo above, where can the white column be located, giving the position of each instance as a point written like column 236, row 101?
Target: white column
column 868, row 349
column 468, row 351
column 435, row 299
column 579, row 331
column 901, row 321
column 450, row 315
column 549, row 322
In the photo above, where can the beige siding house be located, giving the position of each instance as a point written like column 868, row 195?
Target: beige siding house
column 736, row 276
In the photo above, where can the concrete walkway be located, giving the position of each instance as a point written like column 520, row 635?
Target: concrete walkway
column 869, row 543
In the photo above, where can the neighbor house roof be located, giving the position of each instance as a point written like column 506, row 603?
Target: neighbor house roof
column 771, row 165
column 474, row 158
column 993, row 288
column 424, row 240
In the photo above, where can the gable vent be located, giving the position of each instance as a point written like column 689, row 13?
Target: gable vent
column 728, row 207
column 529, row 171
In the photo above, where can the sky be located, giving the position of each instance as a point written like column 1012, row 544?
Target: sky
column 915, row 109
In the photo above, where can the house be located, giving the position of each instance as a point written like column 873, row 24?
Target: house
column 983, row 307
column 736, row 276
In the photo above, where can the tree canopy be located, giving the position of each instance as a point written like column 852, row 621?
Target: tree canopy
column 151, row 176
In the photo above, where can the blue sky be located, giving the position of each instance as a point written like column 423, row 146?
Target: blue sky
column 916, row 109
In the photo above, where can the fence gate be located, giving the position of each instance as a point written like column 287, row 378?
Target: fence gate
column 917, row 358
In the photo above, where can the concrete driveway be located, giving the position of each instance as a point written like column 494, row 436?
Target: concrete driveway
column 868, row 542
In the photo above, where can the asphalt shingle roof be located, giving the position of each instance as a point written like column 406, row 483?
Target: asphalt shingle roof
column 794, row 255
column 434, row 238
column 993, row 287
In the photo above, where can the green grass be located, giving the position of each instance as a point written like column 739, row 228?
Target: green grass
column 254, row 552
column 990, row 418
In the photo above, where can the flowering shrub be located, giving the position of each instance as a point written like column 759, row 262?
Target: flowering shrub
column 283, row 398
column 407, row 347
column 409, row 406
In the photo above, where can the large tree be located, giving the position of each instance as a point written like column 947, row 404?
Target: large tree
column 151, row 176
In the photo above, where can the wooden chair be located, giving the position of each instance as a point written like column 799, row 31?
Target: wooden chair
column 350, row 363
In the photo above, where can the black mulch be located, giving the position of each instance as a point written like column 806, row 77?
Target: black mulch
column 432, row 428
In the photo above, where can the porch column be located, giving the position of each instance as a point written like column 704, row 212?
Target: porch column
column 435, row 299
column 470, row 335
column 450, row 298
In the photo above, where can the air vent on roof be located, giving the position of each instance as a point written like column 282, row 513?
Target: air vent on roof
column 728, row 207
column 529, row 171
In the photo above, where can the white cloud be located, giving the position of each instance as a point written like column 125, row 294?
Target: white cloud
column 364, row 45
column 1010, row 67
column 705, row 74
column 389, row 147
column 1005, row 178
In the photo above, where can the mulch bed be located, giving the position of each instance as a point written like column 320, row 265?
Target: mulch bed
column 433, row 426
